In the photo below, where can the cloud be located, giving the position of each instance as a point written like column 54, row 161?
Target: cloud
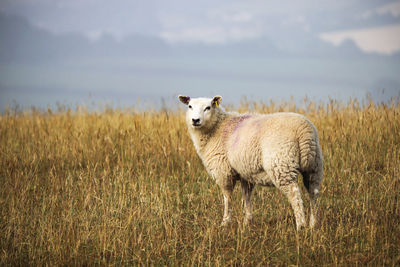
column 209, row 35
column 239, row 16
column 383, row 40
column 211, row 26
column 298, row 21
column 391, row 8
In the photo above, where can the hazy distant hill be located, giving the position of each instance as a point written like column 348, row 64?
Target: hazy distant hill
column 20, row 41
column 41, row 67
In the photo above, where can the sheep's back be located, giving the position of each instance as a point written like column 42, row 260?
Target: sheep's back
column 255, row 137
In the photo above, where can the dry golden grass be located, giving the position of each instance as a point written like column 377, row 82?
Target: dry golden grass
column 127, row 188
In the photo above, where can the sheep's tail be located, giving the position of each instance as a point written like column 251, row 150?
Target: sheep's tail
column 311, row 164
column 309, row 148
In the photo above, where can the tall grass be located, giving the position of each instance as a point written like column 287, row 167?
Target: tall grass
column 127, row 188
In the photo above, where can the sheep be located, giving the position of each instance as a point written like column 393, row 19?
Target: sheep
column 257, row 149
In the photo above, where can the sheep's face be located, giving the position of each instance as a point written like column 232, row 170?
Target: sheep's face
column 201, row 111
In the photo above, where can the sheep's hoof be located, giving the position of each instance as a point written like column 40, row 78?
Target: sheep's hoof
column 226, row 221
column 247, row 222
column 301, row 227
column 314, row 224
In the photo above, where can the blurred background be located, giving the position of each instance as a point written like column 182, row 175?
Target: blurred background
column 125, row 53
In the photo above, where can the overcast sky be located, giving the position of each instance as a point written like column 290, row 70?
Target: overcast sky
column 373, row 25
column 299, row 48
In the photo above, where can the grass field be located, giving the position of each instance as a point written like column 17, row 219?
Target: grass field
column 125, row 187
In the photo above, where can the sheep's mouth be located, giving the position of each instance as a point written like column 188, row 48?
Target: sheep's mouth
column 196, row 124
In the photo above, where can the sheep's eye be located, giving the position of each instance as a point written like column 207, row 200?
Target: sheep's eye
column 207, row 108
column 190, row 106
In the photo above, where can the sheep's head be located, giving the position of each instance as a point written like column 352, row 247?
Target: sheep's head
column 201, row 111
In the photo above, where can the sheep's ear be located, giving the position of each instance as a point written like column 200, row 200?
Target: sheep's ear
column 216, row 101
column 184, row 99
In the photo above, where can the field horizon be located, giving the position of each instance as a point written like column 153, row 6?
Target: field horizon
column 126, row 187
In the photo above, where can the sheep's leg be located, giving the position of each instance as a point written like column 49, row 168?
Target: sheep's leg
column 314, row 205
column 247, row 189
column 227, row 206
column 292, row 192
column 312, row 183
column 227, row 190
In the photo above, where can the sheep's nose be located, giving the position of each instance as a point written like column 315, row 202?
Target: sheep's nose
column 195, row 121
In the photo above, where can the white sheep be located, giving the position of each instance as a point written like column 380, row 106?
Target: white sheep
column 264, row 149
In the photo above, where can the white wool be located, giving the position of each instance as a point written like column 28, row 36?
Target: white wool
column 264, row 149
